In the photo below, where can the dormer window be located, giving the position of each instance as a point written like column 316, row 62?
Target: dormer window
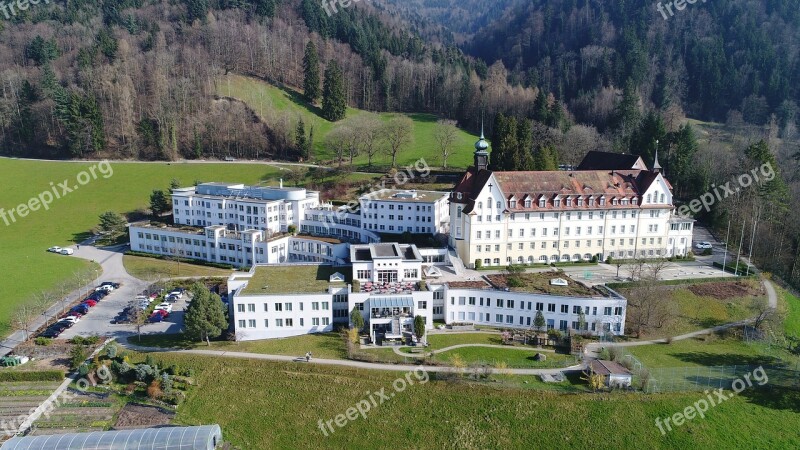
column 602, row 201
column 513, row 204
column 624, row 201
column 569, row 203
column 557, row 203
column 528, row 203
column 614, row 201
column 542, row 203
column 635, row 200
column 591, row 201
column 580, row 201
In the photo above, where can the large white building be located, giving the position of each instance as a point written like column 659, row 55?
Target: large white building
column 499, row 218
column 396, row 212
column 391, row 284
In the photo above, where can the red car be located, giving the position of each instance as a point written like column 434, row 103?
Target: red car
column 164, row 313
column 90, row 303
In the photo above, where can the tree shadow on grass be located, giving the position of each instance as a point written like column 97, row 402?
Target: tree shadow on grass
column 725, row 359
column 298, row 99
column 707, row 322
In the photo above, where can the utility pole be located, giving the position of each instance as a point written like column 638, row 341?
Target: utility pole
column 739, row 250
column 727, row 238
column 753, row 240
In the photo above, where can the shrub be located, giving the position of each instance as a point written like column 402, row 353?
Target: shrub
column 111, row 351
column 144, row 372
column 514, row 282
column 478, row 264
column 594, row 258
column 154, row 390
column 43, row 341
column 77, row 356
column 30, row 375
column 80, row 340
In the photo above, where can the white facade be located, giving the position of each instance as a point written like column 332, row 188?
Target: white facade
column 390, row 291
column 497, row 308
column 397, row 212
column 496, row 224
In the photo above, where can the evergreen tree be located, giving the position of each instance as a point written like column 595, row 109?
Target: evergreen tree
column 205, row 315
column 541, row 113
column 504, row 143
column 159, row 203
column 684, row 147
column 626, row 114
column 311, row 83
column 112, row 223
column 196, row 10
column 334, row 100
column 524, row 152
column 643, row 140
column 356, row 319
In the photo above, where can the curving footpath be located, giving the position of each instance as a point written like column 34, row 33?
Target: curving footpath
column 342, row 362
column 453, row 347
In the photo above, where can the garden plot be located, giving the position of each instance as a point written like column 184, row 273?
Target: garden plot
column 83, row 413
column 18, row 398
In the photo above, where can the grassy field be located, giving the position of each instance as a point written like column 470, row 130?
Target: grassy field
column 791, row 305
column 298, row 396
column 713, row 351
column 321, row 345
column 270, row 102
column 515, row 358
column 24, row 242
column 438, row 341
column 695, row 312
column 146, row 268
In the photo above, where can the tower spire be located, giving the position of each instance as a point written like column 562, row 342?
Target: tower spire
column 656, row 165
column 481, row 151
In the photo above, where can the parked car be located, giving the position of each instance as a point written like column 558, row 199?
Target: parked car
column 155, row 317
column 72, row 320
column 164, row 313
column 164, row 306
column 177, row 293
column 54, row 249
column 104, row 288
column 53, row 331
column 704, row 245
column 90, row 303
column 67, row 251
column 83, row 309
column 109, row 283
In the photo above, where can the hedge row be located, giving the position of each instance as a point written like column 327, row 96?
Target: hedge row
column 31, row 375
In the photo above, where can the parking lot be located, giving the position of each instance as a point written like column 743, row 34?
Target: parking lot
column 100, row 318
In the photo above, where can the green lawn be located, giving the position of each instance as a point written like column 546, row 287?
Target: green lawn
column 321, row 345
column 438, row 341
column 24, row 243
column 791, row 305
column 273, row 103
column 695, row 312
column 147, row 268
column 264, row 405
column 701, row 352
column 512, row 357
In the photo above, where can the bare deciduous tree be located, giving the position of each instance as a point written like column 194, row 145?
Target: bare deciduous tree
column 648, row 308
column 397, row 133
column 445, row 133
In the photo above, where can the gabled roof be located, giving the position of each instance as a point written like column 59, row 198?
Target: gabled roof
column 602, row 367
column 470, row 185
column 595, row 160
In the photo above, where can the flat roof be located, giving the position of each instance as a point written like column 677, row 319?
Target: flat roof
column 371, row 252
column 602, row 367
column 405, row 196
column 384, row 251
column 292, row 279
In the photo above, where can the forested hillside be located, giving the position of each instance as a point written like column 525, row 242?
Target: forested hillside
column 734, row 59
column 136, row 78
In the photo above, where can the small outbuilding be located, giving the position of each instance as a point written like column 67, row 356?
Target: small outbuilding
column 206, row 437
column 614, row 374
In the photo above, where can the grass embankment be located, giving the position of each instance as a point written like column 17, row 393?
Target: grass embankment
column 440, row 415
column 147, row 268
column 271, row 102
